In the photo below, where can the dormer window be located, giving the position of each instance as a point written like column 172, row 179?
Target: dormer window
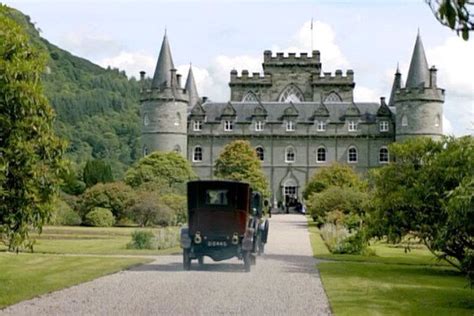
column 383, row 126
column 258, row 126
column 321, row 126
column 197, row 125
column 290, row 126
column 352, row 127
column 228, row 125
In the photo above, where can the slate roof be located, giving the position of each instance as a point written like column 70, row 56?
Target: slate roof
column 418, row 74
column 244, row 111
column 191, row 89
column 165, row 63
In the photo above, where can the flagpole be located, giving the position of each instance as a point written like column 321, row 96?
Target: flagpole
column 312, row 35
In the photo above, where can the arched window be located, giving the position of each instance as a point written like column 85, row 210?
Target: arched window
column 437, row 121
column 383, row 155
column 333, row 97
column 352, row 155
column 291, row 94
column 321, row 154
column 250, row 97
column 145, row 151
column 177, row 121
column 146, row 120
column 404, row 120
column 290, row 154
column 197, row 153
column 260, row 153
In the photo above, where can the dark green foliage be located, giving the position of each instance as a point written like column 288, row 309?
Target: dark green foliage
column 456, row 14
column 97, row 109
column 353, row 245
column 99, row 217
column 334, row 175
column 141, row 239
column 149, row 210
column 70, row 183
column 170, row 169
column 179, row 204
column 63, row 214
column 115, row 196
column 238, row 161
column 427, row 193
column 30, row 153
column 97, row 171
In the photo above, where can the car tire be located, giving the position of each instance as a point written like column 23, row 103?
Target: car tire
column 247, row 259
column 186, row 260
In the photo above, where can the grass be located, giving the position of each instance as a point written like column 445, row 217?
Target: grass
column 25, row 275
column 65, row 256
column 391, row 282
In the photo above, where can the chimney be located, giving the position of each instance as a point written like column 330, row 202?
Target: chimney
column 173, row 78
column 142, row 75
column 433, row 76
column 382, row 101
column 178, row 79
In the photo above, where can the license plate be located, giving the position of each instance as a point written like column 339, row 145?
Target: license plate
column 217, row 243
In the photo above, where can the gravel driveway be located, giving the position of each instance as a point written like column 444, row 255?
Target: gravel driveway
column 284, row 282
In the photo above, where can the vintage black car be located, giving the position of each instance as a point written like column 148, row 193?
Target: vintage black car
column 224, row 221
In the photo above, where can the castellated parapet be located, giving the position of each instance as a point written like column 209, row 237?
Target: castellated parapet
column 255, row 79
column 337, row 79
column 291, row 59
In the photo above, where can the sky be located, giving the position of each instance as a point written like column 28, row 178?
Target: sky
column 368, row 36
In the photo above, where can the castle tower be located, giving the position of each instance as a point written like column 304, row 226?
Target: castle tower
column 191, row 89
column 419, row 104
column 163, row 107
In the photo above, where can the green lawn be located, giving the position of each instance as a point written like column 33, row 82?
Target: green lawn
column 25, row 275
column 391, row 282
column 62, row 258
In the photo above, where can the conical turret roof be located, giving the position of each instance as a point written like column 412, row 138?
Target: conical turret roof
column 419, row 74
column 165, row 63
column 191, row 89
column 397, row 84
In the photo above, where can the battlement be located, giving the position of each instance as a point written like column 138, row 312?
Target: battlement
column 337, row 79
column 291, row 59
column 421, row 94
column 246, row 78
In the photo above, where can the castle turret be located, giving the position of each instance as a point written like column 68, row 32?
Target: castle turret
column 397, row 85
column 191, row 89
column 420, row 103
column 164, row 108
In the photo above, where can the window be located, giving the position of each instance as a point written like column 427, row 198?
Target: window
column 258, row 126
column 321, row 126
column 383, row 126
column 217, row 197
column 146, row 120
column 291, row 94
column 290, row 155
column 404, row 120
column 383, row 155
column 250, row 97
column 290, row 126
column 260, row 153
column 177, row 149
column 352, row 126
column 437, row 121
column 321, row 154
column 228, row 126
column 145, row 151
column 177, row 121
column 290, row 190
column 197, row 125
column 352, row 155
column 197, row 153
column 333, row 97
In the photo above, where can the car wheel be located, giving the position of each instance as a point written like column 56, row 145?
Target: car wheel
column 247, row 262
column 201, row 260
column 186, row 260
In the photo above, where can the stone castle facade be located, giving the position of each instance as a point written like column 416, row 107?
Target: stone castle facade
column 297, row 117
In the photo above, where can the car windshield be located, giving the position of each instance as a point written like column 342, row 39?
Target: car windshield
column 217, row 197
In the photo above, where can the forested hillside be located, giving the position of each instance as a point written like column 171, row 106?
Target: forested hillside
column 97, row 108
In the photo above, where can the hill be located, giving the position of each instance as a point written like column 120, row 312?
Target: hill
column 97, row 109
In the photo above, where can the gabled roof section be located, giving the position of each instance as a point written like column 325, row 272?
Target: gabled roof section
column 228, row 110
column 418, row 74
column 162, row 76
column 290, row 110
column 321, row 110
column 259, row 110
column 191, row 89
column 384, row 110
column 198, row 110
column 352, row 110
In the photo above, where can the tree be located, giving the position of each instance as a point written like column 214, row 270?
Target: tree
column 454, row 14
column 239, row 161
column 427, row 193
column 97, row 171
column 162, row 167
column 115, row 196
column 30, row 152
column 148, row 209
column 334, row 175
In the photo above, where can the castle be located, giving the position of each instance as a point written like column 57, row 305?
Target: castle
column 297, row 117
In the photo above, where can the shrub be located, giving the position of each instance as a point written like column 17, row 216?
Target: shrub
column 99, row 217
column 96, row 171
column 178, row 203
column 167, row 238
column 340, row 240
column 148, row 210
column 64, row 215
column 141, row 239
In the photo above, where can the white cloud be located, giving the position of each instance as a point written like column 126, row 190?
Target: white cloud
column 131, row 62
column 364, row 94
column 447, row 126
column 90, row 44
